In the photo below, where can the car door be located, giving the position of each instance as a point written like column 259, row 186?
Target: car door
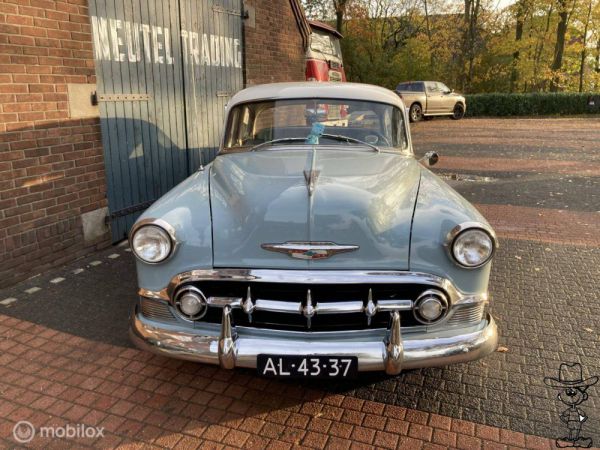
column 447, row 99
column 434, row 98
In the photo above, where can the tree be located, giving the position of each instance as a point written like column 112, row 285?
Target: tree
column 584, row 39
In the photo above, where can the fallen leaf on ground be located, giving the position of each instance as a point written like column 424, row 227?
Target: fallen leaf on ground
column 502, row 349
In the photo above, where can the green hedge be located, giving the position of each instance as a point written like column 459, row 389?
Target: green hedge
column 536, row 104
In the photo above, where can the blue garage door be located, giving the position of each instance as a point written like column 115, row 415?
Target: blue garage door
column 165, row 70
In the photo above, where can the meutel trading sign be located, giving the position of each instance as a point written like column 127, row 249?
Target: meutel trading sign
column 120, row 41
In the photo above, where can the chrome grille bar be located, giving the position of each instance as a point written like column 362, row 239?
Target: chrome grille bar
column 352, row 306
column 220, row 302
column 277, row 306
column 394, row 305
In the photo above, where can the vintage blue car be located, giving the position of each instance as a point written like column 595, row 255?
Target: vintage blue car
column 314, row 245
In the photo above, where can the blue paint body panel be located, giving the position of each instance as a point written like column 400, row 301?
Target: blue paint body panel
column 187, row 209
column 439, row 209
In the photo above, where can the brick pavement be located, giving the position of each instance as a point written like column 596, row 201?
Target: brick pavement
column 581, row 168
column 53, row 379
column 543, row 225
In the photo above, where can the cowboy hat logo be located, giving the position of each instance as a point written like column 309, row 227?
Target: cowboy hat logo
column 572, row 392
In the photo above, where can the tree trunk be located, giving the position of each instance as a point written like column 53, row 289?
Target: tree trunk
column 584, row 49
column 559, row 48
column 521, row 12
column 598, row 55
column 427, row 20
column 339, row 19
column 470, row 20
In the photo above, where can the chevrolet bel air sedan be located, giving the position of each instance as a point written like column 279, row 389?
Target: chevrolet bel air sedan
column 314, row 245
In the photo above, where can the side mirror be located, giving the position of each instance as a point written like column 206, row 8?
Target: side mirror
column 431, row 158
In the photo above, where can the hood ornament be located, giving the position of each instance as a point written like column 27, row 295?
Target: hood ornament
column 309, row 250
column 311, row 180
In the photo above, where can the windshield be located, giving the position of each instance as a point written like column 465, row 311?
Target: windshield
column 325, row 43
column 316, row 122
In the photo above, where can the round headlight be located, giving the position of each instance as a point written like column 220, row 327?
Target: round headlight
column 191, row 303
column 472, row 248
column 151, row 243
column 430, row 306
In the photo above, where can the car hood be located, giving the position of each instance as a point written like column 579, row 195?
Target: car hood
column 359, row 198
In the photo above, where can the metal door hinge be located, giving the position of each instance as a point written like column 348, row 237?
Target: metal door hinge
column 119, row 98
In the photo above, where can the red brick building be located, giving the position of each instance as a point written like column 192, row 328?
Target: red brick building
column 53, row 182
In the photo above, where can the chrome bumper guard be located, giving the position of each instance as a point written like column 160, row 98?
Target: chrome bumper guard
column 376, row 349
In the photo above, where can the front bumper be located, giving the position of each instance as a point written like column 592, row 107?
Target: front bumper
column 377, row 349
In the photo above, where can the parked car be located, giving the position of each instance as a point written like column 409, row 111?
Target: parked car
column 426, row 99
column 311, row 248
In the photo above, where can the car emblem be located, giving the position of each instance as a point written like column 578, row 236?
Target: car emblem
column 309, row 250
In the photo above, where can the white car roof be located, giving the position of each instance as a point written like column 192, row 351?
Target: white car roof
column 315, row 89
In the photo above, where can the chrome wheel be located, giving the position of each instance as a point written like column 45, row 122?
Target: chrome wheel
column 416, row 113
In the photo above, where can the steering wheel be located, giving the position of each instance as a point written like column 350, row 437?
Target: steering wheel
column 380, row 138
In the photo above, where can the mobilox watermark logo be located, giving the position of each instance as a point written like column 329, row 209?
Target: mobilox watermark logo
column 24, row 432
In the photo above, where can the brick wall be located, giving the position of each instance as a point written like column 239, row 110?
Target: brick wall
column 274, row 47
column 51, row 167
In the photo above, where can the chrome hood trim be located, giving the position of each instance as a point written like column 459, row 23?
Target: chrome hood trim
column 310, row 250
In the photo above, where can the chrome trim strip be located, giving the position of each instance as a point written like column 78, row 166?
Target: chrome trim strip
column 152, row 294
column 221, row 302
column 277, row 306
column 315, row 277
column 351, row 306
column 394, row 305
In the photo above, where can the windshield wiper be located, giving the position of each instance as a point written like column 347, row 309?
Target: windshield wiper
column 339, row 137
column 275, row 141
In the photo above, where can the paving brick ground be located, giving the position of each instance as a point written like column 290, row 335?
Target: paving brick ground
column 52, row 379
column 65, row 357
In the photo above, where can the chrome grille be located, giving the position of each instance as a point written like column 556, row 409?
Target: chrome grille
column 157, row 310
column 469, row 314
column 316, row 307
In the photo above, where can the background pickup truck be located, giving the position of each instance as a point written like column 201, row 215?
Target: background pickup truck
column 425, row 99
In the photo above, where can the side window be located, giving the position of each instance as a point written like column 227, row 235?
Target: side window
column 431, row 87
column 443, row 88
column 420, row 87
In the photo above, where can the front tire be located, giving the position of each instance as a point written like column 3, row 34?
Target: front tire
column 458, row 112
column 415, row 113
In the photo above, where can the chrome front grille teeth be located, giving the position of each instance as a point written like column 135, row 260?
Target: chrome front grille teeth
column 309, row 308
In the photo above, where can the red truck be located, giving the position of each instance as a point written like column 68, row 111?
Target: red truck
column 324, row 55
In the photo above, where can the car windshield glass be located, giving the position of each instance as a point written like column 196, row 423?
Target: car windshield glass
column 316, row 122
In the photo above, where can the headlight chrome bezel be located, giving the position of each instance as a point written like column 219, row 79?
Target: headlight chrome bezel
column 164, row 226
column 460, row 230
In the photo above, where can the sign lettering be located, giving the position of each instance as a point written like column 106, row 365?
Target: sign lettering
column 120, row 40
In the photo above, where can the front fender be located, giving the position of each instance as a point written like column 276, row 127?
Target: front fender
column 186, row 208
column 438, row 210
